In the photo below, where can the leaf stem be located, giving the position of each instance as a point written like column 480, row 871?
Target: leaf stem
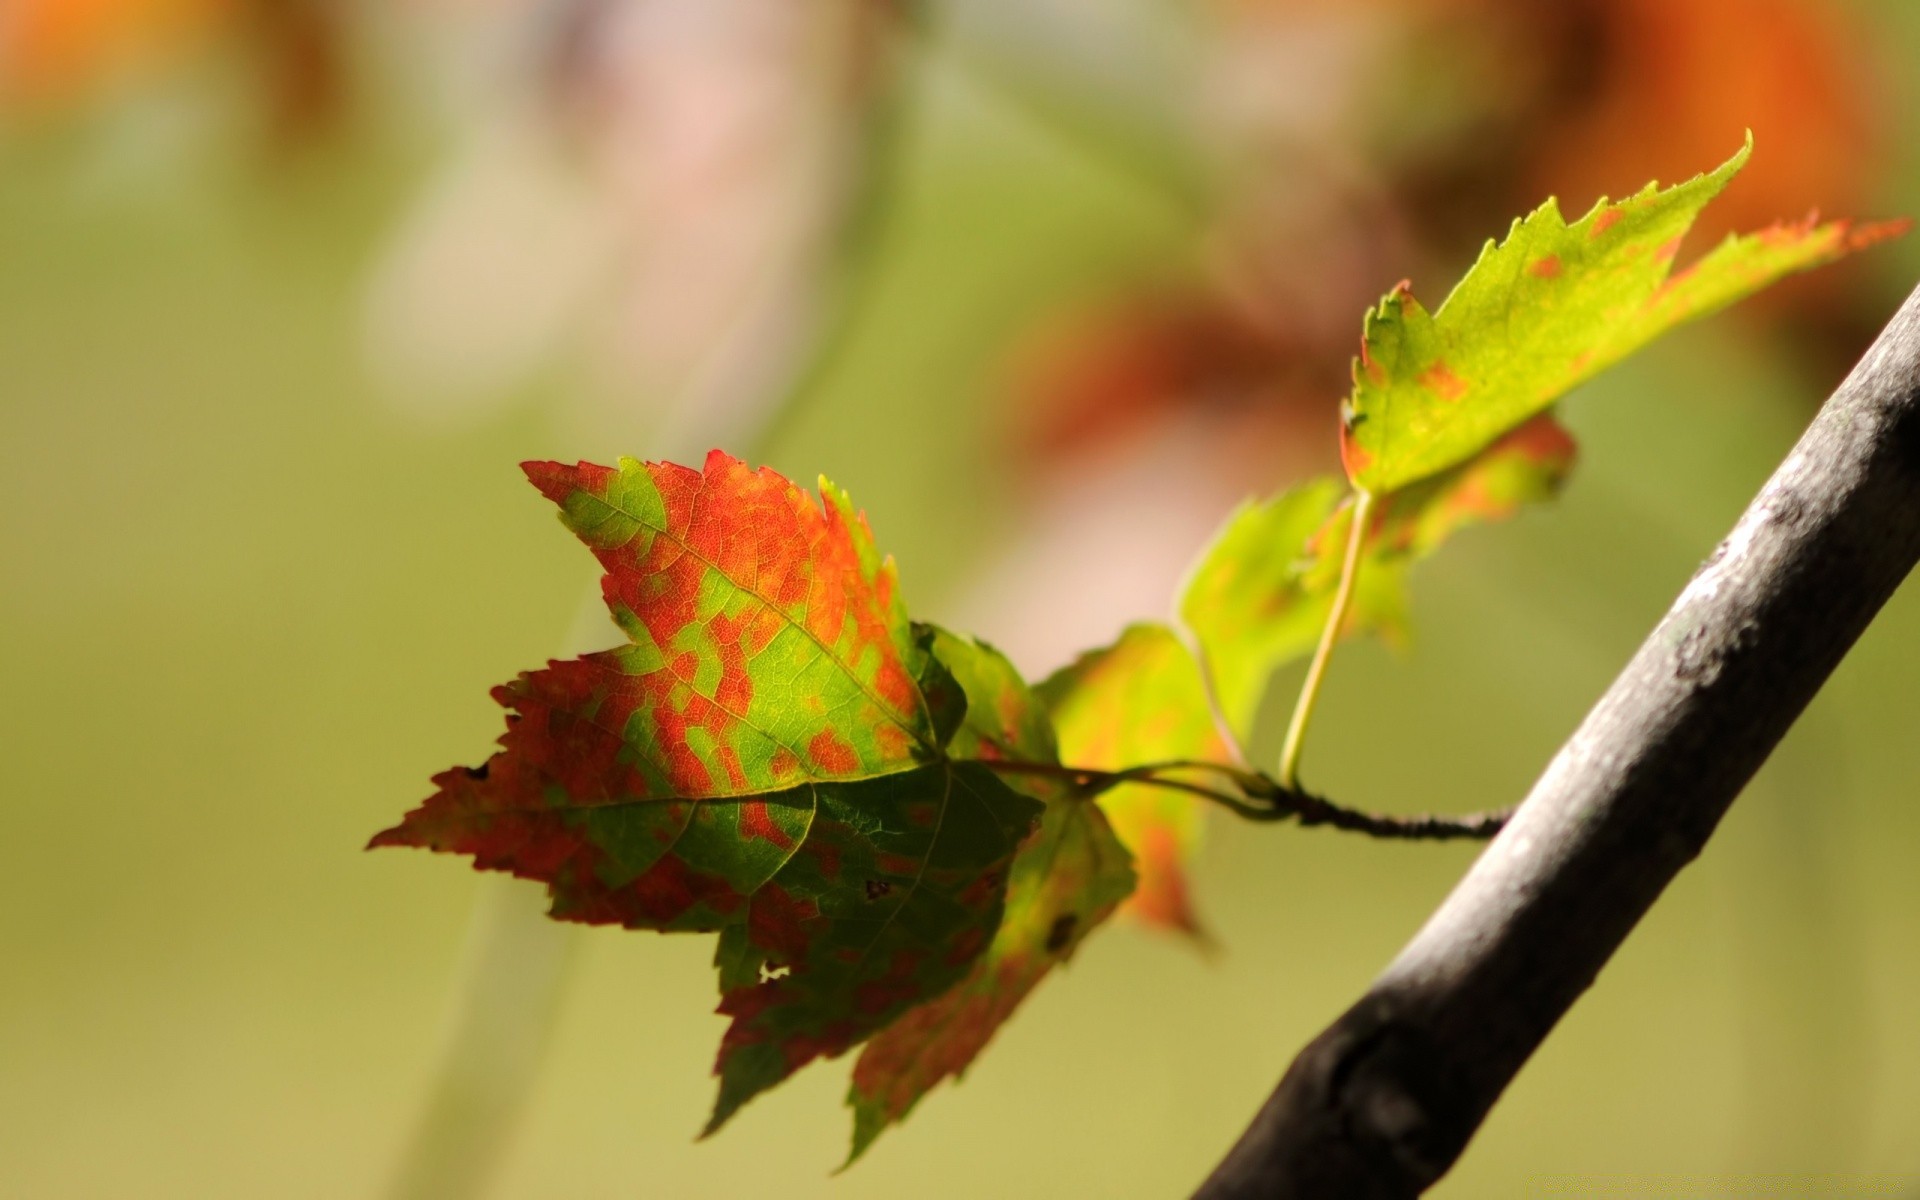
column 1317, row 670
column 1262, row 799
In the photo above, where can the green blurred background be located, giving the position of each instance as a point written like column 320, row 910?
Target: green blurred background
column 253, row 599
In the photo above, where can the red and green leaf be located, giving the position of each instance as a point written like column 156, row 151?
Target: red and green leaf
column 1525, row 466
column 764, row 760
column 1142, row 700
column 1546, row 310
column 1068, row 877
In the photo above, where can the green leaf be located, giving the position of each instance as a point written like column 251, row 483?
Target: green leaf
column 1138, row 701
column 1067, row 878
column 1003, row 719
column 764, row 760
column 1546, row 310
column 1263, row 589
column 1260, row 592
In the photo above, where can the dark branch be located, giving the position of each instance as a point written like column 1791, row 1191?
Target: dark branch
column 1311, row 810
column 1384, row 1101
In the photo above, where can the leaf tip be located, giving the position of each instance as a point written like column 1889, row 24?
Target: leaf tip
column 1868, row 233
column 1727, row 170
column 556, row 480
column 540, row 470
column 869, row 1121
column 723, row 1110
column 396, row 836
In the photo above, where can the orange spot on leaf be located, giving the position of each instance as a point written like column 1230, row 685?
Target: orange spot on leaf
column 1542, row 439
column 756, row 825
column 1442, row 382
column 1353, row 456
column 832, row 753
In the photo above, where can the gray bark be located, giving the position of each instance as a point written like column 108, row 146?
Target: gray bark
column 1383, row 1102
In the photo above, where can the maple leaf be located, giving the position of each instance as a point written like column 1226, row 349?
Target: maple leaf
column 1546, row 310
column 1067, row 878
column 766, row 759
column 1136, row 701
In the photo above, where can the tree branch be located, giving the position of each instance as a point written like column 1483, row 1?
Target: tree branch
column 1426, row 827
column 1384, row 1101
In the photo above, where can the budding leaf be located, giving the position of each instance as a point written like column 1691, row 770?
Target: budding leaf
column 1067, row 878
column 765, row 759
column 1141, row 700
column 1263, row 590
column 1546, row 310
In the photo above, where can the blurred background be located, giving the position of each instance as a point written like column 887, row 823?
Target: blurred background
column 288, row 287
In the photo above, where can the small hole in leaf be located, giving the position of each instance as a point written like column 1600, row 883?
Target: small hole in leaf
column 877, row 888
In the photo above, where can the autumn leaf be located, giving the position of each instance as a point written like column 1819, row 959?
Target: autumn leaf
column 1546, row 310
column 1448, row 421
column 1447, row 424
column 1067, row 878
column 765, row 759
column 1141, row 700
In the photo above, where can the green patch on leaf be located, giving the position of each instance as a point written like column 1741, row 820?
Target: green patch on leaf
column 1067, row 878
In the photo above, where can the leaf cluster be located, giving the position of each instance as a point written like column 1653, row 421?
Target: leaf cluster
column 893, row 836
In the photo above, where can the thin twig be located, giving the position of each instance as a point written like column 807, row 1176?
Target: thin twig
column 1090, row 782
